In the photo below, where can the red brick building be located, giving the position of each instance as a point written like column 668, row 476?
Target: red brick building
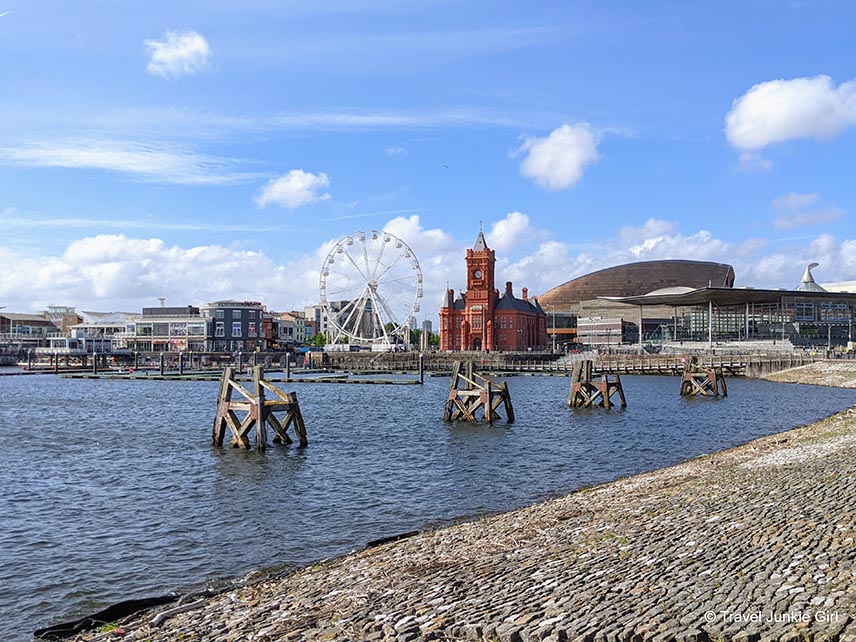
column 481, row 319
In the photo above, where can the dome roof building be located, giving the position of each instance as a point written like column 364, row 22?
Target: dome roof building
column 634, row 279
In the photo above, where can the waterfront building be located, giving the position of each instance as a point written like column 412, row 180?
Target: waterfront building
column 290, row 328
column 697, row 301
column 63, row 317
column 482, row 319
column 236, row 325
column 590, row 296
column 24, row 331
column 168, row 329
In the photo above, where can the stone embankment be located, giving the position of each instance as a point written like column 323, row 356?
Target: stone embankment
column 836, row 373
column 750, row 544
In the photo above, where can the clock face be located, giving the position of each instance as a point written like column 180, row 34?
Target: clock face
column 477, row 274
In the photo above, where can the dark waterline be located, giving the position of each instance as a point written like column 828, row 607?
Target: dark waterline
column 112, row 490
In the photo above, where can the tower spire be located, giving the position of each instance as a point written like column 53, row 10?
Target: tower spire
column 481, row 244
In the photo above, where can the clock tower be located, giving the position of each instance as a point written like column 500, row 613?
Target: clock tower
column 480, row 319
column 481, row 262
column 481, row 295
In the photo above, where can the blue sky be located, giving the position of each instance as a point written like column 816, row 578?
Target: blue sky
column 201, row 150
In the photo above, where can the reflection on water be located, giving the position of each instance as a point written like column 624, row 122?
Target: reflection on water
column 113, row 491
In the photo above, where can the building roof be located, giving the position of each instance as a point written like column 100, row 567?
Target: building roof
column 25, row 318
column 807, row 283
column 106, row 318
column 481, row 244
column 726, row 297
column 510, row 302
column 841, row 286
column 634, row 279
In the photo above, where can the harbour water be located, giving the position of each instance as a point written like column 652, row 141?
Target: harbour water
column 112, row 490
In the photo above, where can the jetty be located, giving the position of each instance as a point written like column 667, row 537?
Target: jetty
column 260, row 406
column 587, row 393
column 471, row 391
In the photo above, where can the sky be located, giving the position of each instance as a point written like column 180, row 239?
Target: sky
column 202, row 150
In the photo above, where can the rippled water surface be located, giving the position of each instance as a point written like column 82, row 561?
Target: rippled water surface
column 111, row 489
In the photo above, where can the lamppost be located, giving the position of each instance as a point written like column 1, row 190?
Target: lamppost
column 553, row 314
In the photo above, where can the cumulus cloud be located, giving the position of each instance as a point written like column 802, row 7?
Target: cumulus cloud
column 118, row 272
column 660, row 239
column 557, row 161
column 513, row 232
column 180, row 53
column 293, row 189
column 779, row 110
column 113, row 271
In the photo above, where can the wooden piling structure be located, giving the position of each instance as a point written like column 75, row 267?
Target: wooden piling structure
column 260, row 412
column 701, row 381
column 470, row 391
column 586, row 393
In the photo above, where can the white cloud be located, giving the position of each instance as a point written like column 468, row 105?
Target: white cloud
column 117, row 272
column 395, row 151
column 659, row 239
column 113, row 271
column 293, row 189
column 557, row 161
column 793, row 202
column 753, row 162
column 513, row 232
column 779, row 110
column 145, row 161
column 793, row 212
column 180, row 53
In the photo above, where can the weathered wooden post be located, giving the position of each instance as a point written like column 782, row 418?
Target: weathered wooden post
column 421, row 367
column 161, row 364
column 585, row 393
column 704, row 382
column 56, row 363
column 470, row 391
column 94, row 363
column 288, row 365
column 260, row 412
column 136, row 359
column 180, row 363
column 240, row 362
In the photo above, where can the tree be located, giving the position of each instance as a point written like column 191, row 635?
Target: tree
column 319, row 340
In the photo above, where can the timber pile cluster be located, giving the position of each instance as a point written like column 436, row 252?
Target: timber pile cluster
column 712, row 549
column 839, row 374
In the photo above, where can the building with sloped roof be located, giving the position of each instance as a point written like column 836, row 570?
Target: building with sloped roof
column 482, row 319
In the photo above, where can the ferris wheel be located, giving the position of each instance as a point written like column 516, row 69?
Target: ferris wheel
column 370, row 287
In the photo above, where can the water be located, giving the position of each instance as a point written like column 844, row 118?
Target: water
column 112, row 491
